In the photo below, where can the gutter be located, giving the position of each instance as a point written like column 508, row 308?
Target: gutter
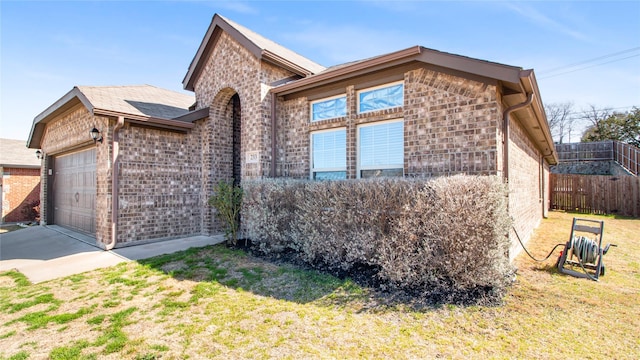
column 274, row 132
column 533, row 84
column 505, row 133
column 115, row 161
column 148, row 120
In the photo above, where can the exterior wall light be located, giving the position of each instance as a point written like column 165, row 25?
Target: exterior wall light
column 39, row 154
column 95, row 135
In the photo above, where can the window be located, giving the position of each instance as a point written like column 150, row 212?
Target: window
column 329, row 108
column 329, row 155
column 381, row 97
column 381, row 149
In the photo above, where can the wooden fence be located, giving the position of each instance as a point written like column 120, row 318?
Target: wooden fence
column 596, row 194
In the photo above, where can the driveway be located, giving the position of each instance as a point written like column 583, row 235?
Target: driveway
column 44, row 253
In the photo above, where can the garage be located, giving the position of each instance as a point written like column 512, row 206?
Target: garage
column 74, row 191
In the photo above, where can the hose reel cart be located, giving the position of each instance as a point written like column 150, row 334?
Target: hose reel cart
column 584, row 249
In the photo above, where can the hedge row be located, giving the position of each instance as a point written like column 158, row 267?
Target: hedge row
column 445, row 235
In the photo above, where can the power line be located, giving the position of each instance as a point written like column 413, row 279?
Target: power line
column 585, row 112
column 590, row 60
column 588, row 67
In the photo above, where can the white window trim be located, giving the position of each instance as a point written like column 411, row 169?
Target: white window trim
column 322, row 100
column 401, row 82
column 359, row 168
column 311, row 165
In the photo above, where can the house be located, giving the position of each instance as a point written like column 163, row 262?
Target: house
column 20, row 182
column 262, row 111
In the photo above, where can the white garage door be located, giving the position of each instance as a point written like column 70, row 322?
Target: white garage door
column 74, row 191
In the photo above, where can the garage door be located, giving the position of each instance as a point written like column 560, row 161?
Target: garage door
column 74, row 191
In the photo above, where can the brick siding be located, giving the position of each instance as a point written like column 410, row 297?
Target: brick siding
column 70, row 132
column 450, row 127
column 20, row 193
column 527, row 197
column 159, row 194
column 232, row 69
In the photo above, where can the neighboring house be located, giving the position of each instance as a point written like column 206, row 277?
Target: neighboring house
column 262, row 111
column 20, row 183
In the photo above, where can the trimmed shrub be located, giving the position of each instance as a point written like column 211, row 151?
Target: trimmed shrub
column 269, row 213
column 446, row 236
column 452, row 237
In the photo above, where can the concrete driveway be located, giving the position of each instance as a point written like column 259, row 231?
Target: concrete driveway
column 44, row 253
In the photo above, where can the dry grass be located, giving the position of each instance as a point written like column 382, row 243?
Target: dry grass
column 217, row 303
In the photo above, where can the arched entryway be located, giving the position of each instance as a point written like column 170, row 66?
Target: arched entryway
column 225, row 137
column 236, row 119
column 223, row 146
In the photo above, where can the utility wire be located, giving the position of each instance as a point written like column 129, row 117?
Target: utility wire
column 588, row 67
column 590, row 60
column 585, row 113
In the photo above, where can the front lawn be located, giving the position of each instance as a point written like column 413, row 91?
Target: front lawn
column 220, row 303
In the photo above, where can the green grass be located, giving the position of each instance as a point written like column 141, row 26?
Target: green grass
column 40, row 319
column 219, row 303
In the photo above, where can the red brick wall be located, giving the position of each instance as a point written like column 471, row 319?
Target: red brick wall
column 20, row 192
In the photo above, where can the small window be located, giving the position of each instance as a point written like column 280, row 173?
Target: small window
column 329, row 155
column 382, row 97
column 381, row 149
column 329, row 108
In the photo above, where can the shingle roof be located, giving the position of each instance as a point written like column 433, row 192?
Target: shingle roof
column 276, row 48
column 142, row 100
column 143, row 103
column 261, row 47
column 15, row 153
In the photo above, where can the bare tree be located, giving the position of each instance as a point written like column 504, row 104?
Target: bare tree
column 561, row 120
column 597, row 129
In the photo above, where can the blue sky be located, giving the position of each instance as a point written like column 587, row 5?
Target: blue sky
column 587, row 52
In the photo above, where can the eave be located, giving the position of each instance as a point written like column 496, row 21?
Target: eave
column 75, row 97
column 515, row 84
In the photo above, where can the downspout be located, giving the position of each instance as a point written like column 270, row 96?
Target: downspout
column 505, row 134
column 274, row 133
column 115, row 161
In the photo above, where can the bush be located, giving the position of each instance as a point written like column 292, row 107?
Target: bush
column 268, row 212
column 31, row 210
column 446, row 235
column 227, row 200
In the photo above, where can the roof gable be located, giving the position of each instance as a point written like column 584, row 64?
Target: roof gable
column 143, row 103
column 261, row 47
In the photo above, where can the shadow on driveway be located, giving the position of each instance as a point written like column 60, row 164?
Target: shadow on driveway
column 44, row 253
